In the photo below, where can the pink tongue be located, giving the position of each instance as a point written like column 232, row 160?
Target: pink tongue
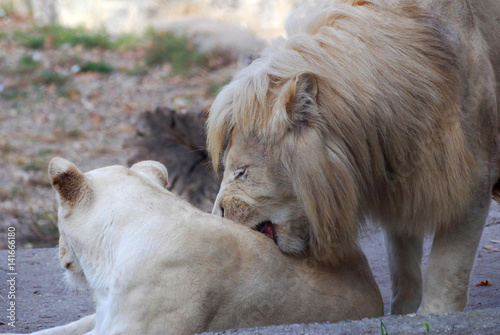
column 268, row 231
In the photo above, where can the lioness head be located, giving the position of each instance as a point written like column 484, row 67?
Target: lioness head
column 86, row 207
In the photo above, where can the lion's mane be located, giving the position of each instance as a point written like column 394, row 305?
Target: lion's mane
column 367, row 149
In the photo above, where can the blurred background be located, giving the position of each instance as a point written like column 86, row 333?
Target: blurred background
column 103, row 82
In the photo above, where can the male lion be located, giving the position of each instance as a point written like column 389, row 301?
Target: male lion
column 157, row 265
column 383, row 109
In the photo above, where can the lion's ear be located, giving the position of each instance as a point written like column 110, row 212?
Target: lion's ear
column 302, row 101
column 153, row 171
column 68, row 181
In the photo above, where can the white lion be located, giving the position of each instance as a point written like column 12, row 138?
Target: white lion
column 157, row 265
column 381, row 109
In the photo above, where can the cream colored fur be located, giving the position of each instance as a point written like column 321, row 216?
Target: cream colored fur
column 384, row 110
column 157, row 265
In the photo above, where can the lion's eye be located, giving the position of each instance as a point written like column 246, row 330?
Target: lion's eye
column 240, row 173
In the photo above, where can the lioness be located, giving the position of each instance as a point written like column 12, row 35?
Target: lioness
column 384, row 110
column 157, row 265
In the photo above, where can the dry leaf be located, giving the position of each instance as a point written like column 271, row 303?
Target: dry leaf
column 495, row 241
column 484, row 283
column 492, row 248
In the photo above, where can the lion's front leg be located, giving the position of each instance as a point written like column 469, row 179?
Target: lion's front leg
column 405, row 258
column 450, row 263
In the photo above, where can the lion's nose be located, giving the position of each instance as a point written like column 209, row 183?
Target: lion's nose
column 218, row 208
column 232, row 208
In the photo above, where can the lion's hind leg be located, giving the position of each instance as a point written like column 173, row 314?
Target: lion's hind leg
column 451, row 259
column 405, row 257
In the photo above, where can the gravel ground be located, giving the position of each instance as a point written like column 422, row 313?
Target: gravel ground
column 86, row 120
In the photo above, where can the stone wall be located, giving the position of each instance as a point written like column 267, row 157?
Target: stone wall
column 22, row 8
column 262, row 17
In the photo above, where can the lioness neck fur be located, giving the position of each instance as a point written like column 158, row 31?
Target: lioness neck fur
column 160, row 266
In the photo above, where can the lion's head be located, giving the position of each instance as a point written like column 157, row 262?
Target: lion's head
column 326, row 128
column 256, row 192
column 284, row 185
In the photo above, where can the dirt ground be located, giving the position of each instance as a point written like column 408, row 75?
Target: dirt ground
column 85, row 119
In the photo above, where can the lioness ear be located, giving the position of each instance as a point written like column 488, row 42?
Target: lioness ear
column 69, row 182
column 152, row 170
column 303, row 99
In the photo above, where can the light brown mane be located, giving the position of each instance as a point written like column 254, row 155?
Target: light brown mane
column 377, row 66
